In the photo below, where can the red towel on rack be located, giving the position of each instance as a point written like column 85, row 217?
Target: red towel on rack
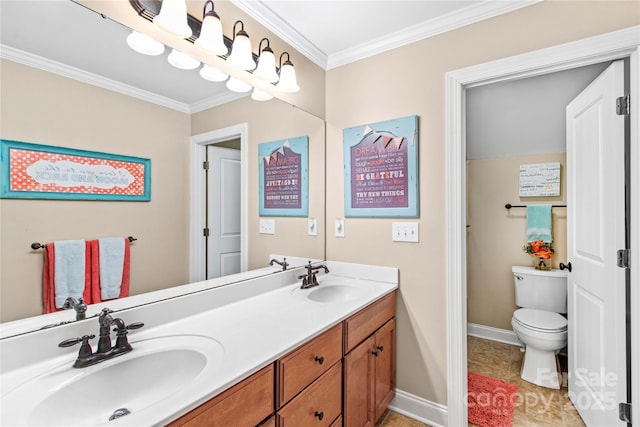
column 96, row 296
column 48, row 278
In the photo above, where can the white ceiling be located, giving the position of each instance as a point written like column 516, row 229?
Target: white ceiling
column 65, row 38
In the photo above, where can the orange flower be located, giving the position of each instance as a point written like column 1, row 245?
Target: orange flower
column 544, row 253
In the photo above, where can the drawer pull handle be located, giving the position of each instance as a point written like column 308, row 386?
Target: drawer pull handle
column 374, row 352
column 320, row 360
column 380, row 348
column 320, row 415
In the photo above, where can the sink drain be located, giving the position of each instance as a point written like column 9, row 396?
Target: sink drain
column 119, row 413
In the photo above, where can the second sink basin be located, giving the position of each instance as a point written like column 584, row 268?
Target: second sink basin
column 334, row 293
column 155, row 370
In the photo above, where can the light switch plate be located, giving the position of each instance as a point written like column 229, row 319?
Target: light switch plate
column 405, row 232
column 339, row 227
column 312, row 227
column 267, row 226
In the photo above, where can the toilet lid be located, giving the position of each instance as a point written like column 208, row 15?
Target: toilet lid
column 539, row 319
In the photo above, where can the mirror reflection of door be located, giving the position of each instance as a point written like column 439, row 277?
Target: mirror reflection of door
column 223, row 209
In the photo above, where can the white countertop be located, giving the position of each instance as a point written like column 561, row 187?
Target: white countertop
column 255, row 322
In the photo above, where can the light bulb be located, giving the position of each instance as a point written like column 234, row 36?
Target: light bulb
column 182, row 60
column 144, row 44
column 237, row 85
column 212, row 74
column 260, row 95
column 173, row 18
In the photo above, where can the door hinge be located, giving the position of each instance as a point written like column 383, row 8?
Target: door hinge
column 624, row 256
column 623, row 105
column 624, row 412
column 205, row 232
column 205, row 165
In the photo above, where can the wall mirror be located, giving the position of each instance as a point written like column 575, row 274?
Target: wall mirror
column 66, row 102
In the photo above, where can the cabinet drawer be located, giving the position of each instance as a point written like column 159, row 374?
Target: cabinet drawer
column 362, row 324
column 317, row 406
column 301, row 367
column 230, row 407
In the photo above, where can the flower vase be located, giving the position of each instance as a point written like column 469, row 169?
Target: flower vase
column 542, row 264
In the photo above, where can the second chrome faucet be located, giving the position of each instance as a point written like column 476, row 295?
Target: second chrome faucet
column 105, row 351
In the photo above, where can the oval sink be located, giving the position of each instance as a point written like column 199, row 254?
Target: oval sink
column 335, row 293
column 155, row 370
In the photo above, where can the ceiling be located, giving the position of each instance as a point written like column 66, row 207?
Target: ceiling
column 81, row 44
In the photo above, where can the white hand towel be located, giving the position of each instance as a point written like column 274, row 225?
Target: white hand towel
column 70, row 267
column 111, row 266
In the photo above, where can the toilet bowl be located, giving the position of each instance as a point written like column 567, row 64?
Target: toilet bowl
column 539, row 326
column 543, row 334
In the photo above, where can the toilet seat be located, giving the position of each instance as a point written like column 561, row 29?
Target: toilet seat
column 539, row 320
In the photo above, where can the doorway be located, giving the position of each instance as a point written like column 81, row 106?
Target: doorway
column 198, row 208
column 603, row 48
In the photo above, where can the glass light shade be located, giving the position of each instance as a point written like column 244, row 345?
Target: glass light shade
column 182, row 60
column 212, row 74
column 241, row 52
column 144, row 44
column 267, row 67
column 211, row 38
column 260, row 95
column 237, row 85
column 173, row 18
column 288, row 81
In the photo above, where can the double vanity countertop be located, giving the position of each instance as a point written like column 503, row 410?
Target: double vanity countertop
column 192, row 348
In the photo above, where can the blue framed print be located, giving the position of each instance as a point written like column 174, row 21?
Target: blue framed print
column 284, row 177
column 381, row 169
column 35, row 171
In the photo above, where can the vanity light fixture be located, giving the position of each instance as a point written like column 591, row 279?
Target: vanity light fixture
column 237, row 85
column 287, row 81
column 144, row 44
column 241, row 54
column 212, row 74
column 173, row 18
column 182, row 60
column 266, row 69
column 211, row 38
column 260, row 95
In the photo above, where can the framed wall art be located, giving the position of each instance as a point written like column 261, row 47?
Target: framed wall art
column 381, row 169
column 35, row 171
column 284, row 177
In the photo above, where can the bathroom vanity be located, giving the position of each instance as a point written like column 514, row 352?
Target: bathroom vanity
column 262, row 352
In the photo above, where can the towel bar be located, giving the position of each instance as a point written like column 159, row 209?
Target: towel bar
column 509, row 206
column 36, row 245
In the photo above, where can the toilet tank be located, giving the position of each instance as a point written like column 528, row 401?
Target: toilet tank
column 540, row 289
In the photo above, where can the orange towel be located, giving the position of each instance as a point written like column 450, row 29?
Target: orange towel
column 48, row 278
column 95, row 271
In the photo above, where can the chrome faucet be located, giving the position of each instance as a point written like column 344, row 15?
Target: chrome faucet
column 284, row 263
column 86, row 356
column 309, row 280
column 79, row 306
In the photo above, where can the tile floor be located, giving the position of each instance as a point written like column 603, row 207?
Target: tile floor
column 535, row 407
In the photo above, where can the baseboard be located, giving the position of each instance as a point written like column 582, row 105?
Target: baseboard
column 419, row 409
column 493, row 334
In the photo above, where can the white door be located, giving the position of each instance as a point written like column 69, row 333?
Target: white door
column 223, row 212
column 595, row 231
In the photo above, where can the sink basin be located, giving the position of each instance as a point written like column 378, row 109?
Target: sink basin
column 332, row 291
column 156, row 370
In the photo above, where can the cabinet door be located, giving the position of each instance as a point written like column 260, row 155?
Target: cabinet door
column 384, row 356
column 358, row 383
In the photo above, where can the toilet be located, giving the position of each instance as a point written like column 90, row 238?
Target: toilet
column 538, row 324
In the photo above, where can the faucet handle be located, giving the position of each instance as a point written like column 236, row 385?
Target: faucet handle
column 132, row 326
column 85, row 348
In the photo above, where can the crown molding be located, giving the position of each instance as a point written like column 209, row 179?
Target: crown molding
column 216, row 101
column 274, row 23
column 259, row 11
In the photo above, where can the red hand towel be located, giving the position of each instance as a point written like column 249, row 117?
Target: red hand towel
column 48, row 278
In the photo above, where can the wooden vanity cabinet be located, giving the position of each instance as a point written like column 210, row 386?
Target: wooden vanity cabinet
column 247, row 403
column 369, row 363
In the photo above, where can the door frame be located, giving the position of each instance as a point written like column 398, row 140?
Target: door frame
column 615, row 45
column 197, row 219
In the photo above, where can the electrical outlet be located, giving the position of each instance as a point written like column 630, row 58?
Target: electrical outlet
column 405, row 232
column 312, row 227
column 267, row 226
column 339, row 227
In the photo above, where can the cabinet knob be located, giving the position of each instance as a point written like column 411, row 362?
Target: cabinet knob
column 319, row 415
column 374, row 352
column 380, row 348
column 319, row 359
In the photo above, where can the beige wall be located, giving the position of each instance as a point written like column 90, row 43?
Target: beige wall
column 411, row 80
column 271, row 121
column 496, row 235
column 44, row 108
